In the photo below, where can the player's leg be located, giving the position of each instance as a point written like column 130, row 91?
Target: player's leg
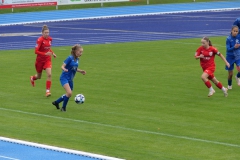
column 230, row 75
column 48, row 68
column 38, row 75
column 231, row 61
column 68, row 88
column 238, row 74
column 206, row 81
column 48, row 81
column 219, row 85
column 63, row 81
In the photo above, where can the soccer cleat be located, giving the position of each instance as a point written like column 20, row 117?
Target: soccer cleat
column 56, row 104
column 238, row 80
column 211, row 93
column 225, row 92
column 48, row 94
column 63, row 109
column 32, row 81
column 229, row 87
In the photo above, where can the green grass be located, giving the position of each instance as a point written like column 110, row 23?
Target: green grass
column 144, row 100
column 97, row 5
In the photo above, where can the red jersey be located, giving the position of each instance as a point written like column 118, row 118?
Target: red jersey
column 42, row 47
column 209, row 55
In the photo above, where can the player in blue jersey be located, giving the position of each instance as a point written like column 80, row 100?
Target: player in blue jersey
column 69, row 69
column 231, row 56
column 237, row 23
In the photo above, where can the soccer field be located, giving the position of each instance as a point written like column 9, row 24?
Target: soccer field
column 144, row 100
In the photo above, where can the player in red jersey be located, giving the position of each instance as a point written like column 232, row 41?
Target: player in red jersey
column 43, row 59
column 206, row 53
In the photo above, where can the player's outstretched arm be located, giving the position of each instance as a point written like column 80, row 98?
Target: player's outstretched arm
column 81, row 71
column 224, row 59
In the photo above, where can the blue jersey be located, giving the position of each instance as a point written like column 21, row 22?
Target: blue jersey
column 230, row 43
column 236, row 51
column 71, row 66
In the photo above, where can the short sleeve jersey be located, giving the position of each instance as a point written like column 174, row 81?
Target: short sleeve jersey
column 43, row 45
column 236, row 51
column 209, row 55
column 71, row 66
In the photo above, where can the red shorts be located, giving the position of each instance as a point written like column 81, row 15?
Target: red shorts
column 210, row 72
column 42, row 65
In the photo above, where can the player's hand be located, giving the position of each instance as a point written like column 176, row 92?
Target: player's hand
column 54, row 55
column 83, row 72
column 228, row 65
column 48, row 54
column 65, row 70
column 201, row 56
column 237, row 45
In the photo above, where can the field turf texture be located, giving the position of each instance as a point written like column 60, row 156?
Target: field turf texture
column 144, row 100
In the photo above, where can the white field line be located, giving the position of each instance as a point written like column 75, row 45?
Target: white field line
column 129, row 129
column 75, row 152
column 8, row 158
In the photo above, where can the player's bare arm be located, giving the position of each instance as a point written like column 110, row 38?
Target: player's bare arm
column 63, row 67
column 81, row 71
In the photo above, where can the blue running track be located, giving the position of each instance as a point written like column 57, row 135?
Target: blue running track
column 6, row 19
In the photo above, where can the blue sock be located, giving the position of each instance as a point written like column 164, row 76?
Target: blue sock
column 65, row 101
column 238, row 74
column 59, row 100
column 229, row 82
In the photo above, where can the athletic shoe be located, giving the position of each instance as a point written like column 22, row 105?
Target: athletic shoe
column 229, row 87
column 56, row 104
column 225, row 92
column 32, row 81
column 211, row 93
column 238, row 80
column 63, row 109
column 48, row 94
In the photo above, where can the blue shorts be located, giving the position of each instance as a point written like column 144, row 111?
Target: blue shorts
column 63, row 81
column 231, row 60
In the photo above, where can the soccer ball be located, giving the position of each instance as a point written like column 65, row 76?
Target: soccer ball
column 79, row 98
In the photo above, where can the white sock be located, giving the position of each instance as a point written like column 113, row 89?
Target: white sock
column 211, row 89
column 223, row 89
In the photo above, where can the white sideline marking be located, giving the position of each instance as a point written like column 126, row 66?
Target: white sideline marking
column 81, row 153
column 8, row 158
column 129, row 129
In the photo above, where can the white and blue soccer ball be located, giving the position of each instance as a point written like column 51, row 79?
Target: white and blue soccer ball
column 79, row 99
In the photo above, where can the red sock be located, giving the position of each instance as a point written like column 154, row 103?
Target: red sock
column 208, row 84
column 34, row 78
column 48, row 85
column 219, row 85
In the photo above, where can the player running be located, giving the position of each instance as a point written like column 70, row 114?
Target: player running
column 206, row 53
column 231, row 55
column 69, row 69
column 43, row 59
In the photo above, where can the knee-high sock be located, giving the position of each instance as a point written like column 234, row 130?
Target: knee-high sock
column 60, row 99
column 208, row 84
column 65, row 101
column 219, row 85
column 48, row 85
